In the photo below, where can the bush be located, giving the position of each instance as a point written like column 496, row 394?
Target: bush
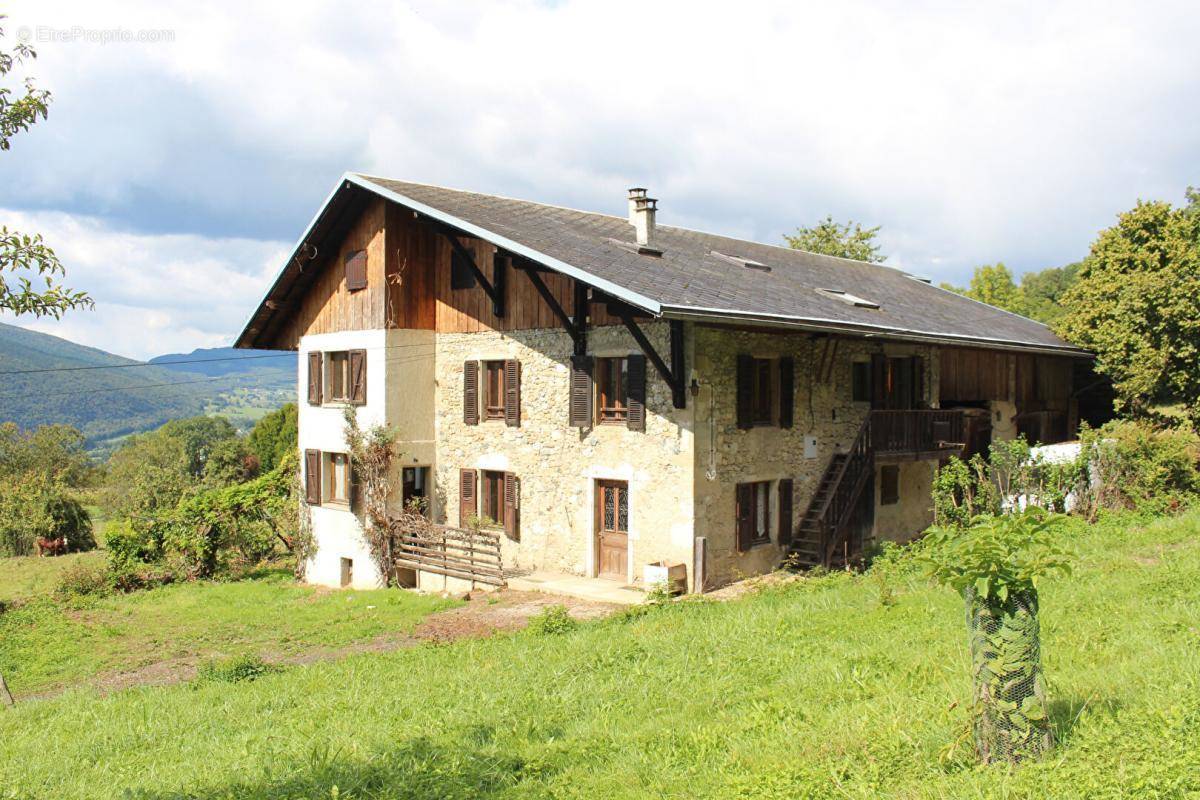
column 82, row 580
column 36, row 506
column 552, row 621
column 237, row 669
column 1135, row 464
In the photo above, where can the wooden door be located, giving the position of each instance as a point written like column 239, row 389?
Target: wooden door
column 612, row 529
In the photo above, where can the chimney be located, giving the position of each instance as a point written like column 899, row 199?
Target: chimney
column 641, row 215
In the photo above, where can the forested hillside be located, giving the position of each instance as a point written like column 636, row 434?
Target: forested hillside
column 46, row 380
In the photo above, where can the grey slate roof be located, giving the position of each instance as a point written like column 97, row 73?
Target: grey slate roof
column 688, row 281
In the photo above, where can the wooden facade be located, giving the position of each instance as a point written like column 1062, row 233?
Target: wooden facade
column 409, row 285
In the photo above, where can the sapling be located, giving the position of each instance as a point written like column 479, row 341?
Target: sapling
column 997, row 563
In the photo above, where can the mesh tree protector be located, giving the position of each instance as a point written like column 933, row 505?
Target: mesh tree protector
column 1009, row 693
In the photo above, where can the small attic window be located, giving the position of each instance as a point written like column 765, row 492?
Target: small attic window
column 847, row 298
column 749, row 263
column 640, row 249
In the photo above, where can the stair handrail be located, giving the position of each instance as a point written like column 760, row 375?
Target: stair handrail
column 856, row 457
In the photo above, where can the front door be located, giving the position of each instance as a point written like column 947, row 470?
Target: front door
column 612, row 529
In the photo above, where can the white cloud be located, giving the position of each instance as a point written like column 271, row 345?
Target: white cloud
column 154, row 293
column 971, row 133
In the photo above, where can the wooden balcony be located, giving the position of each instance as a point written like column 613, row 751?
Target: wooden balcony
column 914, row 435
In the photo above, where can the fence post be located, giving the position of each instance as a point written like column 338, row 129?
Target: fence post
column 699, row 564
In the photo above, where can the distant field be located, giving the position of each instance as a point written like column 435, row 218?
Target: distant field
column 815, row 689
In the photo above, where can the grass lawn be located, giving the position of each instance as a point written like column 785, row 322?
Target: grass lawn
column 814, row 689
column 28, row 576
column 44, row 645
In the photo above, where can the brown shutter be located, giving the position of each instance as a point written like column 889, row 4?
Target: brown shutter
column 636, row 394
column 785, row 512
column 358, row 377
column 356, row 270
column 512, row 393
column 312, row 477
column 471, row 392
column 745, row 391
column 467, row 501
column 512, row 507
column 787, row 391
column 745, row 516
column 879, row 396
column 581, row 391
column 314, row 379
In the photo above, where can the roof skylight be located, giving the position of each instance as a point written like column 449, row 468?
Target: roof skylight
column 847, row 298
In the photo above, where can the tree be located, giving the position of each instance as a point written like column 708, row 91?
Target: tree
column 25, row 256
column 1134, row 305
column 151, row 472
column 1038, row 295
column 273, row 437
column 830, row 238
column 39, row 473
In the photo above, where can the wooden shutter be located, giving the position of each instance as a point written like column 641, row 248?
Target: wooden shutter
column 785, row 512
column 879, row 396
column 636, row 393
column 356, row 270
column 745, row 391
column 312, row 477
column 468, row 501
column 580, row 412
column 512, row 507
column 787, row 391
column 512, row 393
column 358, row 377
column 745, row 516
column 471, row 392
column 314, row 379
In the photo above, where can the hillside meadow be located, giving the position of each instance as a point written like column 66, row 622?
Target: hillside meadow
column 829, row 687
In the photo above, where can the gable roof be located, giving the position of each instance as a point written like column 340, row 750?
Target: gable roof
column 704, row 276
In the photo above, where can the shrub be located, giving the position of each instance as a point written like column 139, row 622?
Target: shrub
column 37, row 506
column 236, row 669
column 1135, row 464
column 552, row 621
column 82, row 580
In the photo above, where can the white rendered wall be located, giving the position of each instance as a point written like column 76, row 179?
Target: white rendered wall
column 400, row 394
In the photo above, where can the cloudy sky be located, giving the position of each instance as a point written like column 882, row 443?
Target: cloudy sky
column 185, row 151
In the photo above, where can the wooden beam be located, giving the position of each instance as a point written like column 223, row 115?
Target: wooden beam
column 484, row 283
column 675, row 381
column 581, row 317
column 552, row 301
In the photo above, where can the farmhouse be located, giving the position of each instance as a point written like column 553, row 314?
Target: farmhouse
column 601, row 392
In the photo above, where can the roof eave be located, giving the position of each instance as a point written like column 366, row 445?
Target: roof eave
column 817, row 325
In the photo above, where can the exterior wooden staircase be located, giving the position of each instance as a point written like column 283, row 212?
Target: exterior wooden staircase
column 826, row 535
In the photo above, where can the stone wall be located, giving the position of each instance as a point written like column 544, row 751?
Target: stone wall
column 558, row 465
column 825, row 415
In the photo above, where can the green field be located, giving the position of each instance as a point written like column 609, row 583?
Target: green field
column 823, row 688
column 45, row 645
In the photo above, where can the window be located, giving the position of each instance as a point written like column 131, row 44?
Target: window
column 763, row 403
column 493, row 390
column 766, row 391
column 860, row 380
column 753, row 514
column 337, row 478
column 346, row 377
column 339, row 377
column 414, row 491
column 493, row 496
column 889, row 484
column 461, row 274
column 612, row 390
column 347, row 572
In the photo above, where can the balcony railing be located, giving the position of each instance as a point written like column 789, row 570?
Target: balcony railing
column 918, row 431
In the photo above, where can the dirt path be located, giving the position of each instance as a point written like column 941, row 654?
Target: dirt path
column 481, row 616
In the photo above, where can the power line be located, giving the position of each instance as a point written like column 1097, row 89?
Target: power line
column 143, row 364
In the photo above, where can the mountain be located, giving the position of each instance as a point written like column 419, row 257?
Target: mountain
column 45, row 379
